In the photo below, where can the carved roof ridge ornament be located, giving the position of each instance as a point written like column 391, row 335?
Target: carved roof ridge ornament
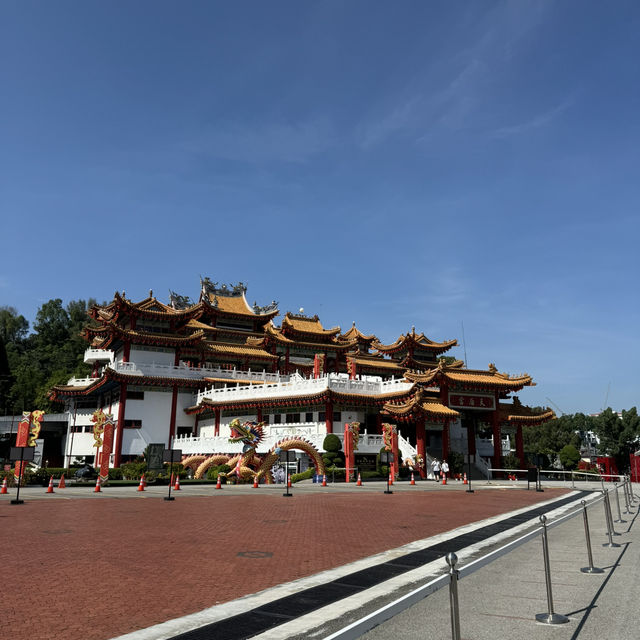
column 212, row 289
column 178, row 302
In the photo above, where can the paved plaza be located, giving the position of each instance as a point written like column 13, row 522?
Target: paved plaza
column 98, row 566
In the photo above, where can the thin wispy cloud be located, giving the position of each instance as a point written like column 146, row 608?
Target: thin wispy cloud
column 265, row 142
column 537, row 122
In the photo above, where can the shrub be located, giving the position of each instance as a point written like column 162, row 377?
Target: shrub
column 115, row 473
column 305, row 475
column 134, row 470
column 212, row 472
column 332, row 443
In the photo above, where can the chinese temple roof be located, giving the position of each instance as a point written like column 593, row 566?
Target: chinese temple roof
column 519, row 414
column 414, row 341
column 455, row 376
column 308, row 325
column 355, row 334
column 419, row 405
column 245, row 351
column 231, row 300
column 366, row 361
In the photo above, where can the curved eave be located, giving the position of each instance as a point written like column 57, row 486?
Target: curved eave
column 155, row 381
column 529, row 420
column 433, row 410
column 67, row 391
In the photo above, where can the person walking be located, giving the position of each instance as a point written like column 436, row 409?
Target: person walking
column 435, row 465
column 445, row 469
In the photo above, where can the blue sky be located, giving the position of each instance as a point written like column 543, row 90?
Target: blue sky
column 394, row 164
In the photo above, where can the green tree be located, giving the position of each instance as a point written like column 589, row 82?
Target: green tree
column 13, row 327
column 548, row 439
column 569, row 457
column 618, row 434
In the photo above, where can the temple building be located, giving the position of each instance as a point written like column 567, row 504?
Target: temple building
column 179, row 373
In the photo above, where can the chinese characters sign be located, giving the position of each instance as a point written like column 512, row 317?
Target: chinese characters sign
column 466, row 401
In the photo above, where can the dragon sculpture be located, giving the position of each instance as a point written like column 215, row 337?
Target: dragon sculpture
column 249, row 465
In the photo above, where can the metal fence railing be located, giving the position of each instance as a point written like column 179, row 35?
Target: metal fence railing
column 454, row 574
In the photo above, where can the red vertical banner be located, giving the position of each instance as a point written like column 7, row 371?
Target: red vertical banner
column 22, row 440
column 107, row 448
column 351, row 367
column 318, row 365
column 28, row 432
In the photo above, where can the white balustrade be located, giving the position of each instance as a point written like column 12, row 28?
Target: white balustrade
column 98, row 355
column 80, row 382
column 298, row 386
column 193, row 373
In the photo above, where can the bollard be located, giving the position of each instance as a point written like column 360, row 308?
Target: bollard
column 551, row 617
column 590, row 568
column 611, row 544
column 630, row 492
column 573, row 484
column 452, row 558
column 608, row 500
column 626, row 499
column 618, row 505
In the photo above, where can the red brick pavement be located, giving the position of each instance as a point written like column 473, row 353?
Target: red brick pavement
column 85, row 569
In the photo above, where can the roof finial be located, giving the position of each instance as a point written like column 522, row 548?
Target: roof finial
column 124, row 294
column 151, row 293
column 301, row 310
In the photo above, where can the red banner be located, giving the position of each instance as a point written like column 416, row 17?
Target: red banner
column 467, row 401
column 22, row 440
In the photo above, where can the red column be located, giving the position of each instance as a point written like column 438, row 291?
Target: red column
column 328, row 408
column 520, row 446
column 217, row 429
column 348, row 452
column 127, row 351
column 421, row 445
column 172, row 423
column 379, row 423
column 445, row 440
column 259, row 414
column 120, row 428
column 497, row 437
column 176, row 359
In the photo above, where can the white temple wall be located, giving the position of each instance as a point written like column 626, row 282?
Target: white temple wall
column 151, row 355
column 155, row 413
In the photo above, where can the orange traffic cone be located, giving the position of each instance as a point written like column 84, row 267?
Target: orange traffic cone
column 219, row 483
column 465, row 481
column 141, row 485
column 289, row 481
column 61, row 484
column 50, row 487
column 177, row 485
column 97, row 489
column 413, row 480
column 172, row 480
column 359, row 483
column 144, row 480
column 324, row 480
column 444, row 479
column 4, row 487
column 255, row 482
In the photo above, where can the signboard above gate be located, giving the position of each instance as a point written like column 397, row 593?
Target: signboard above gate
column 469, row 401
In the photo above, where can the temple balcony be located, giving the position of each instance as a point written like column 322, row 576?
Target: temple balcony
column 194, row 373
column 299, row 386
column 81, row 382
column 91, row 356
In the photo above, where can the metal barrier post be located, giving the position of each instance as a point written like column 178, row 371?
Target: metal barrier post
column 618, row 505
column 452, row 558
column 630, row 492
column 551, row 617
column 611, row 544
column 573, row 484
column 626, row 499
column 590, row 568
column 610, row 510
